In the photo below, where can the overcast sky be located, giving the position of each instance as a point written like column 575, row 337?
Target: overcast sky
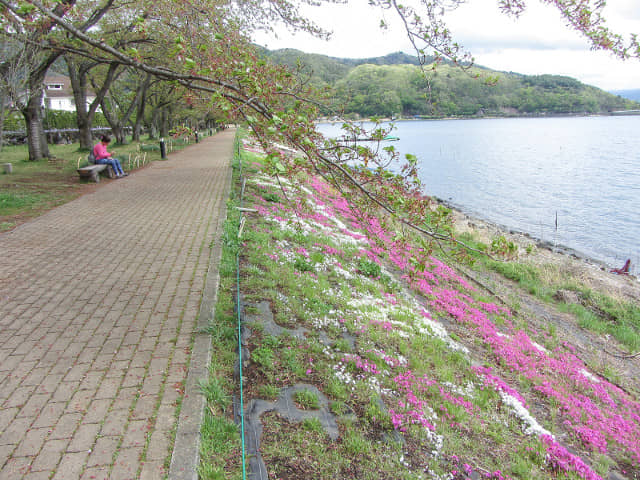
column 536, row 43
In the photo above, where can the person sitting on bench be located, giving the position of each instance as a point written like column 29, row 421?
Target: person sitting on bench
column 105, row 157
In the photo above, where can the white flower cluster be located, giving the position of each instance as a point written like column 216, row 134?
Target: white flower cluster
column 468, row 390
column 532, row 427
column 345, row 377
column 324, row 322
column 429, row 327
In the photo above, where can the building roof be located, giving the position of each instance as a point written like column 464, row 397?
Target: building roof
column 65, row 86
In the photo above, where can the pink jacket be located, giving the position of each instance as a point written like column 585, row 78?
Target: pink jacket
column 100, row 151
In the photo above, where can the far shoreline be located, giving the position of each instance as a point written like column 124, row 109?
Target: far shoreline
column 621, row 113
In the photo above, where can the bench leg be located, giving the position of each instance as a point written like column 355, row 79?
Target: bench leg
column 95, row 176
column 110, row 172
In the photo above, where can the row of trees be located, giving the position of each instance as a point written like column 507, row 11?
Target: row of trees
column 143, row 57
column 124, row 96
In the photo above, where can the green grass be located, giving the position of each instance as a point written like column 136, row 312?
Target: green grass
column 307, row 400
column 12, row 202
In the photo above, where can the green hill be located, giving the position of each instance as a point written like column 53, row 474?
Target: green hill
column 394, row 85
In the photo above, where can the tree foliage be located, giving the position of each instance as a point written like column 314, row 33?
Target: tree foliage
column 201, row 47
column 450, row 92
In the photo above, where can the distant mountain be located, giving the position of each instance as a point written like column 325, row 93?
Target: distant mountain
column 394, row 85
column 629, row 94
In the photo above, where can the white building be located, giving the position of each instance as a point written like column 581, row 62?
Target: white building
column 58, row 94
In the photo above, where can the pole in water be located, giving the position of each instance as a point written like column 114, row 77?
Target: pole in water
column 556, row 220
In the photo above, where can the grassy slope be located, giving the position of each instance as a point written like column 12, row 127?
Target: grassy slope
column 426, row 375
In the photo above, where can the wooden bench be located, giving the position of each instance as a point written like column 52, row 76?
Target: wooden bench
column 93, row 171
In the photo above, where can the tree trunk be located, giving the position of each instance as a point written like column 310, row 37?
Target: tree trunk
column 78, row 73
column 119, row 133
column 2, row 117
column 142, row 104
column 85, row 136
column 33, row 118
column 164, row 123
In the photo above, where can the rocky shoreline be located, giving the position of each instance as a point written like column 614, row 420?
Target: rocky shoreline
column 592, row 272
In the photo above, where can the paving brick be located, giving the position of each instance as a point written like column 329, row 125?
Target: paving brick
column 34, row 405
column 5, row 453
column 134, row 377
column 6, row 416
column 65, row 391
column 49, row 455
column 124, row 353
column 84, row 437
column 15, row 468
column 88, row 354
column 77, row 372
column 42, row 475
column 97, row 410
column 71, row 466
column 50, row 415
column 32, row 442
column 152, row 470
column 103, row 452
column 158, row 445
column 127, row 464
column 115, row 423
column 145, row 407
column 91, row 380
column 15, row 431
column 66, row 426
column 136, row 434
column 140, row 359
column 36, row 376
column 80, row 401
column 96, row 473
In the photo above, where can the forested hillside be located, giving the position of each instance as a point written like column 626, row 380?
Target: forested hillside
column 394, row 85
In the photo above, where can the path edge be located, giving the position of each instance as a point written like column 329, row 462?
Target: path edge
column 186, row 451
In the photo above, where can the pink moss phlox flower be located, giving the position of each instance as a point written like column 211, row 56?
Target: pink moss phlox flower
column 561, row 459
column 370, row 255
column 362, row 363
column 498, row 383
column 329, row 250
column 391, row 298
column 447, row 273
column 375, row 229
column 383, row 324
column 302, row 251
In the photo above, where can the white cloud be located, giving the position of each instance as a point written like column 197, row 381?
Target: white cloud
column 538, row 42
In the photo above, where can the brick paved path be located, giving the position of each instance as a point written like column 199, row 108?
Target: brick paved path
column 98, row 306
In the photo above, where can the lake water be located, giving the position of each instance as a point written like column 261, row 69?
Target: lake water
column 520, row 172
